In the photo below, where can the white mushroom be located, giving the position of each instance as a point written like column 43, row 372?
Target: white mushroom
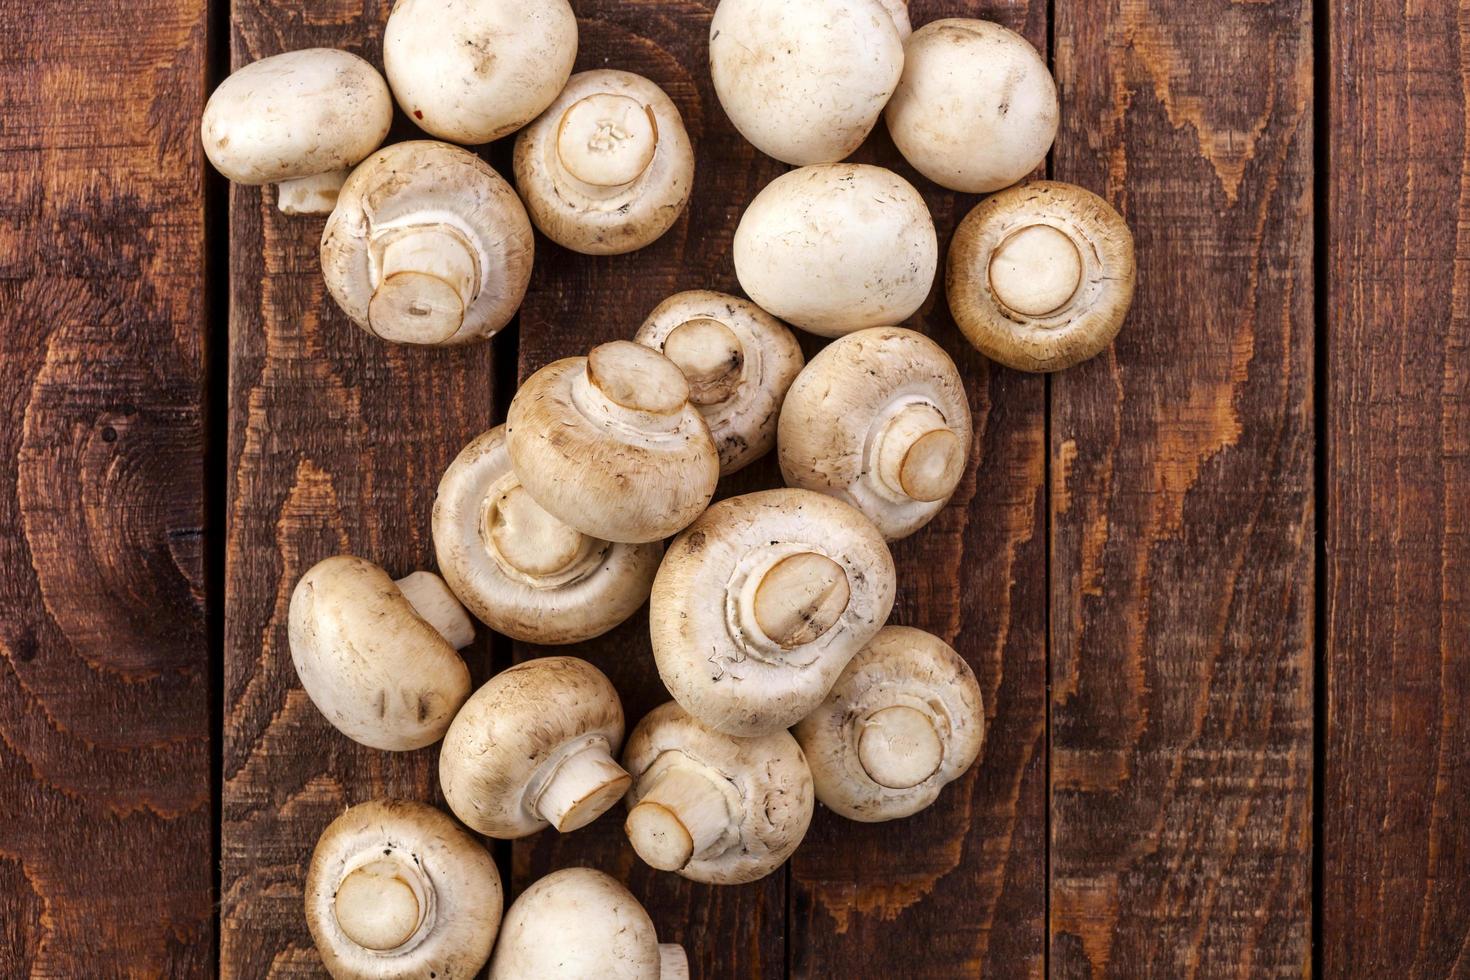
column 427, row 245
column 761, row 602
column 396, row 889
column 880, row 420
column 837, row 248
column 904, row 720
column 298, row 120
column 739, row 361
column 377, row 657
column 714, row 808
column 608, row 167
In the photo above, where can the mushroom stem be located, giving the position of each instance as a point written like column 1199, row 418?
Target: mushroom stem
column 919, row 455
column 681, row 815
column 633, row 385
column 1036, row 271
column 898, row 747
column 583, row 787
column 606, row 139
column 438, row 607
column 799, row 599
column 711, row 357
column 381, row 904
column 673, row 962
column 427, row 277
column 316, row 194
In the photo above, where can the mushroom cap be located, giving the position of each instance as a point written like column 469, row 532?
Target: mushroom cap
column 424, row 187
column 394, row 869
column 977, row 109
column 739, row 361
column 609, row 444
column 768, row 774
column 1041, row 275
column 521, row 571
column 879, row 419
column 875, row 718
column 837, row 248
column 807, row 567
column 608, row 167
column 576, row 924
column 805, row 82
column 472, row 71
column 370, row 663
column 297, row 114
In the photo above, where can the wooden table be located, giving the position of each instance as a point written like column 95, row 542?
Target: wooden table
column 1215, row 583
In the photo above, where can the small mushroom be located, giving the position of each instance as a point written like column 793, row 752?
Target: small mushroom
column 298, row 120
column 396, row 889
column 713, row 808
column 609, row 444
column 880, row 420
column 761, row 602
column 904, row 720
column 378, row 657
column 521, row 571
column 837, row 248
column 533, row 747
column 581, row 924
column 805, row 82
column 427, row 245
column 608, row 167
column 976, row 110
column 472, row 71
column 1041, row 276
column 739, row 361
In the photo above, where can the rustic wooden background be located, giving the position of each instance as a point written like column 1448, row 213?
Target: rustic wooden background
column 1215, row 583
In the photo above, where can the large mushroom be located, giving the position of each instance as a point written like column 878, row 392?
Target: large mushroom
column 396, row 889
column 1041, row 276
column 761, row 602
column 427, row 245
column 378, row 657
column 608, row 167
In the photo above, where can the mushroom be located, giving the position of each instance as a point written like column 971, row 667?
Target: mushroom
column 837, row 248
column 609, row 444
column 976, row 109
column 1041, row 276
column 298, row 120
column 739, row 361
column 472, row 71
column 805, row 82
column 377, row 657
column 880, row 420
column 427, row 245
column 396, row 889
column 903, row 721
column 608, row 167
column 713, row 808
column 533, row 747
column 580, row 924
column 521, row 571
column 761, row 602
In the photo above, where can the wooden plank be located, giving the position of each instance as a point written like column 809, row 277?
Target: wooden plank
column 104, row 664
column 1396, row 794
column 1182, row 502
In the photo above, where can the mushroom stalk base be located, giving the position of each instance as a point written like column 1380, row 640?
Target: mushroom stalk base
column 438, row 607
column 673, row 962
column 311, row 195
column 427, row 278
column 682, row 815
column 585, row 786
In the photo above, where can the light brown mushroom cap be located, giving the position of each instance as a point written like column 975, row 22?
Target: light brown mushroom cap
column 609, row 444
column 977, row 109
column 837, row 248
column 396, row 889
column 427, row 245
column 880, row 420
column 1041, row 276
column 739, row 361
column 759, row 605
column 713, row 808
column 608, row 167
column 904, row 720
column 472, row 71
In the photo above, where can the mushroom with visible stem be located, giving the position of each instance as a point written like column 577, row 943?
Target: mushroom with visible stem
column 739, row 361
column 761, row 602
column 904, row 720
column 713, row 808
column 608, row 167
column 378, row 657
column 880, row 420
column 396, row 889
column 299, row 120
column 1041, row 276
